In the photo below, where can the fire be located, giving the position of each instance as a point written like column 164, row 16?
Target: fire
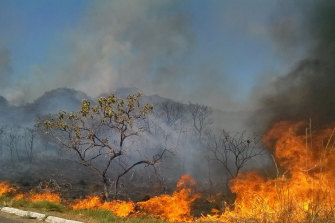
column 119, row 208
column 18, row 196
column 5, row 188
column 304, row 189
column 88, row 203
column 34, row 197
column 46, row 196
column 175, row 207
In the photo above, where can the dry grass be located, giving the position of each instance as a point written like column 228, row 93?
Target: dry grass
column 59, row 210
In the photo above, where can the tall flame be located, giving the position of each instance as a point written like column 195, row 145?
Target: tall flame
column 175, row 207
column 5, row 188
column 304, row 189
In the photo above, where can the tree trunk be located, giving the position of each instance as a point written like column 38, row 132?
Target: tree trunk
column 116, row 187
column 106, row 188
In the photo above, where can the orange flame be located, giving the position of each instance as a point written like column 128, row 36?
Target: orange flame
column 46, row 196
column 304, row 189
column 89, row 202
column 119, row 208
column 5, row 188
column 19, row 196
column 175, row 207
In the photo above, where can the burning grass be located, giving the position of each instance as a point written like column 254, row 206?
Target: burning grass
column 6, row 188
column 302, row 191
column 119, row 208
column 175, row 207
column 304, row 187
column 46, row 196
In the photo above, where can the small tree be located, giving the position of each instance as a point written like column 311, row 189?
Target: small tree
column 200, row 117
column 29, row 139
column 172, row 111
column 12, row 142
column 233, row 152
column 2, row 131
column 97, row 134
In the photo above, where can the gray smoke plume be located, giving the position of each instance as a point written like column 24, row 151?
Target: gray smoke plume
column 116, row 43
column 145, row 44
column 307, row 92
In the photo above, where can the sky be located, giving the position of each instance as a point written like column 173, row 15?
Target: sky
column 211, row 52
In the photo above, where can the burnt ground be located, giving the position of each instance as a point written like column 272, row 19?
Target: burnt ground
column 64, row 176
column 74, row 181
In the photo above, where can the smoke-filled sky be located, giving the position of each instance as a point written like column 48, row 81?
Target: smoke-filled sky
column 219, row 53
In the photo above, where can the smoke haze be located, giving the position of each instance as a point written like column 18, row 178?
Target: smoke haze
column 156, row 46
column 167, row 50
column 306, row 92
column 5, row 66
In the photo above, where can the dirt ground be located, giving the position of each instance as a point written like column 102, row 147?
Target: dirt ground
column 10, row 218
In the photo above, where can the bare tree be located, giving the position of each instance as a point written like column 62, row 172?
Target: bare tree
column 97, row 134
column 2, row 139
column 2, row 131
column 172, row 111
column 29, row 138
column 200, row 117
column 12, row 142
column 233, row 152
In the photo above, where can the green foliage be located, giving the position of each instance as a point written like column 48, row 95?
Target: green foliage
column 48, row 206
column 21, row 203
column 44, row 205
column 101, row 216
column 116, row 113
column 96, row 215
column 112, row 110
column 96, row 133
column 4, row 200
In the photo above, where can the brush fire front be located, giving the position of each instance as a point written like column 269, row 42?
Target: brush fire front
column 302, row 190
column 304, row 186
column 175, row 207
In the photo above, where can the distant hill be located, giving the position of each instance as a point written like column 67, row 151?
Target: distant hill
column 69, row 100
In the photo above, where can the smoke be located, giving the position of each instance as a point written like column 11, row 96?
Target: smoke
column 116, row 44
column 5, row 66
column 150, row 45
column 306, row 92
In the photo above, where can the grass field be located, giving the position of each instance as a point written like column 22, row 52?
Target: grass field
column 59, row 210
